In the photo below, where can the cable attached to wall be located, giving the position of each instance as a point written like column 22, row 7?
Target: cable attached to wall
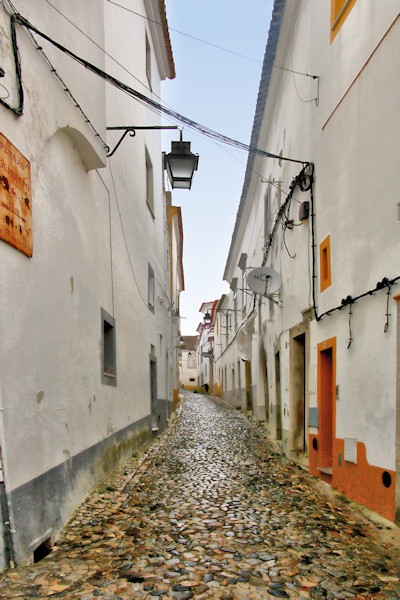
column 385, row 329
column 126, row 241
column 152, row 104
column 17, row 110
column 385, row 283
column 381, row 285
column 350, row 332
column 110, row 243
column 304, row 181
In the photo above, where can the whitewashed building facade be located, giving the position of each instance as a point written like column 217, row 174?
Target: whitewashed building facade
column 205, row 347
column 188, row 377
column 323, row 214
column 85, row 305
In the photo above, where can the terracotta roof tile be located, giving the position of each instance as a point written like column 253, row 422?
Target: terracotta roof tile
column 167, row 39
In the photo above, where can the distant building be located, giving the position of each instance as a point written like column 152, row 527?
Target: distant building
column 205, row 347
column 177, row 285
column 188, row 378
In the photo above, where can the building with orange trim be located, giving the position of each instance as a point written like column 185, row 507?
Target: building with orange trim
column 318, row 356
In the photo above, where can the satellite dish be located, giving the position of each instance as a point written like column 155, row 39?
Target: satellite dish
column 264, row 280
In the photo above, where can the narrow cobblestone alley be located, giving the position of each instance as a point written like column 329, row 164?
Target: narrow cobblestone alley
column 212, row 510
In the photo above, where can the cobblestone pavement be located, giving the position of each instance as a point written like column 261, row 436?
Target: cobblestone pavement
column 211, row 509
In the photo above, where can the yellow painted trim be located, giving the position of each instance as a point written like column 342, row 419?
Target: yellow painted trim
column 325, row 263
column 340, row 10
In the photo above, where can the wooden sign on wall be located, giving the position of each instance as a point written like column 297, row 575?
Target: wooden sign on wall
column 15, row 198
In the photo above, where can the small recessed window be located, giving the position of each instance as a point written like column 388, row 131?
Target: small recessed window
column 325, row 263
column 109, row 363
column 148, row 62
column 151, row 287
column 149, row 183
column 191, row 361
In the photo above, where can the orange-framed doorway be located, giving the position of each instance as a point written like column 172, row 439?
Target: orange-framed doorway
column 326, row 398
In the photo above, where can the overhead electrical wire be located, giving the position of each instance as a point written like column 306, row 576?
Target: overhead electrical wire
column 127, row 70
column 305, row 174
column 123, row 67
column 99, row 47
column 126, row 241
column 152, row 104
column 110, row 241
column 385, row 283
column 304, row 180
column 185, row 34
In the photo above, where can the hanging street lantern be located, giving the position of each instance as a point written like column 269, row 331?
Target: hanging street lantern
column 207, row 318
column 181, row 164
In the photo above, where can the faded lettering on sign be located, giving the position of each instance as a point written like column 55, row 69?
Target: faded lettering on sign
column 15, row 198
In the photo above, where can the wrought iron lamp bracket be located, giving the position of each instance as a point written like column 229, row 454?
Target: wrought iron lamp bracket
column 132, row 133
column 131, row 129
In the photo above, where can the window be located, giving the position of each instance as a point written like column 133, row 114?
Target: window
column 340, row 10
column 148, row 62
column 325, row 263
column 109, row 364
column 242, row 266
column 235, row 310
column 149, row 183
column 191, row 361
column 267, row 213
column 151, row 286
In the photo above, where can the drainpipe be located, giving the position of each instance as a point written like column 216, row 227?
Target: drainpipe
column 5, row 500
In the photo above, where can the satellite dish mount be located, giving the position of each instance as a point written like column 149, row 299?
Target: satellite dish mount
column 264, row 281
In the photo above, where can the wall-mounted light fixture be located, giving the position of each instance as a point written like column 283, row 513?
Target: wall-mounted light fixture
column 207, row 318
column 180, row 163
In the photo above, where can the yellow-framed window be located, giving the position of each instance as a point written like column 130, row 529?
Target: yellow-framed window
column 340, row 10
column 325, row 263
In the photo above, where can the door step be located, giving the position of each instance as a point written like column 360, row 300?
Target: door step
column 325, row 470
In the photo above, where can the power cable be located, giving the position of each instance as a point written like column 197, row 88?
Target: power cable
column 153, row 105
column 186, row 34
column 18, row 111
column 121, row 65
column 110, row 243
column 125, row 240
column 99, row 47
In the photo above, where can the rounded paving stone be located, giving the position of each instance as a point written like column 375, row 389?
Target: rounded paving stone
column 211, row 509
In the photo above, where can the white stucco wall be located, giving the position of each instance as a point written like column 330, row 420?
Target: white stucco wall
column 94, row 238
column 189, row 375
column 351, row 138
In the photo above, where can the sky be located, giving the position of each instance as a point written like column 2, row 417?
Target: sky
column 218, row 89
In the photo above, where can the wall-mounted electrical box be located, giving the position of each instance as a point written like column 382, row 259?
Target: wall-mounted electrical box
column 304, row 211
